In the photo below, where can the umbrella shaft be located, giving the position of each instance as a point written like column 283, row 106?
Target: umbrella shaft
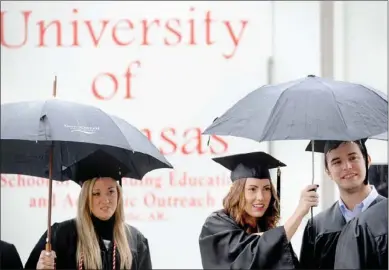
column 48, row 244
column 313, row 162
column 313, row 169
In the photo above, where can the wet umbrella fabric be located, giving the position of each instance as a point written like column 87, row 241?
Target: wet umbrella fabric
column 73, row 130
column 310, row 108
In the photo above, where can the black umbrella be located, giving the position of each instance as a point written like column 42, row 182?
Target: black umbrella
column 42, row 138
column 310, row 108
column 71, row 131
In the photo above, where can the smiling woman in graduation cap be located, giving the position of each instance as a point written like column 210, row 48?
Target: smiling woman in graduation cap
column 98, row 238
column 244, row 235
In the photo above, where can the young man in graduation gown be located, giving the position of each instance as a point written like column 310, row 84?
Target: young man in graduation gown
column 363, row 243
column 244, row 234
column 9, row 256
column 346, row 163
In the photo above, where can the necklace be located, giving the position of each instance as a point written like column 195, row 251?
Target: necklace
column 81, row 262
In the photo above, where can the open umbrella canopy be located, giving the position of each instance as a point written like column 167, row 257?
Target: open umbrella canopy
column 30, row 129
column 310, row 108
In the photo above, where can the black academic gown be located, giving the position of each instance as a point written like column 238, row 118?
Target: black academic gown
column 321, row 236
column 363, row 243
column 64, row 243
column 225, row 245
column 9, row 256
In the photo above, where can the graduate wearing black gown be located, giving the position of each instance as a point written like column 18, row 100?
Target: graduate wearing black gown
column 9, row 256
column 244, row 235
column 322, row 232
column 99, row 228
column 363, row 243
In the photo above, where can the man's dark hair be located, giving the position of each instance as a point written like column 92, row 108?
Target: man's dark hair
column 378, row 176
column 331, row 145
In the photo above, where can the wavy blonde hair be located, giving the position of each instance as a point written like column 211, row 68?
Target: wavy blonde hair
column 235, row 202
column 87, row 239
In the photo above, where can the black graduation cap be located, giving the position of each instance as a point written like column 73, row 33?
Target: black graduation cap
column 97, row 164
column 320, row 145
column 253, row 164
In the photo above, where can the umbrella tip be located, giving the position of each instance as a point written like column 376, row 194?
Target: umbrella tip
column 55, row 86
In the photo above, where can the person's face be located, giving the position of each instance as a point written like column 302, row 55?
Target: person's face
column 257, row 194
column 346, row 166
column 104, row 198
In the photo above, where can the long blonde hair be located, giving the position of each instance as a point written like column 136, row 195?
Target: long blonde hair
column 87, row 239
column 235, row 201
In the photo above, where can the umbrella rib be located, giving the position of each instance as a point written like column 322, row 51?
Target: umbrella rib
column 275, row 106
column 372, row 90
column 132, row 149
column 336, row 104
column 120, row 131
column 365, row 88
column 376, row 93
column 135, row 167
column 40, row 118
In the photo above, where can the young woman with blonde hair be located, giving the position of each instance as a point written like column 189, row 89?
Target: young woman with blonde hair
column 98, row 238
column 245, row 233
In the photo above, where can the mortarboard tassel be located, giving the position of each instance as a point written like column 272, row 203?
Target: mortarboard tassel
column 120, row 178
column 279, row 183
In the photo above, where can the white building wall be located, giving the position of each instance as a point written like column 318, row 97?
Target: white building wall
column 361, row 52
